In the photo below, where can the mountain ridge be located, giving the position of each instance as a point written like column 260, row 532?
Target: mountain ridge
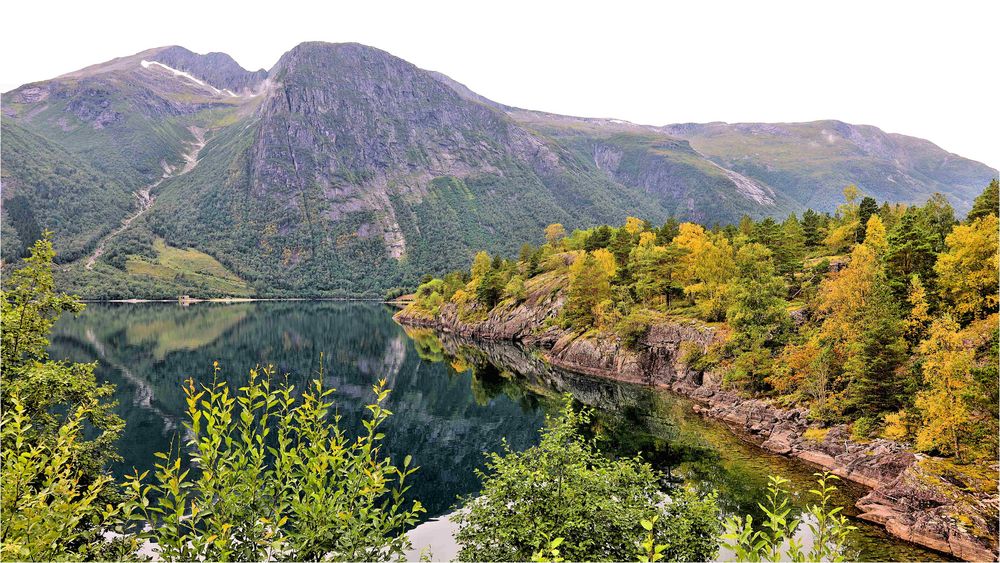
column 346, row 170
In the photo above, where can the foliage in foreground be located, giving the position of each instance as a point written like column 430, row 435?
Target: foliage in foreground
column 276, row 479
column 53, row 478
column 564, row 499
column 775, row 538
column 49, row 503
column 271, row 477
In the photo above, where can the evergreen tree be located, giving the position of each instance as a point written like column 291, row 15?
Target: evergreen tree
column 811, row 229
column 622, row 242
column 911, row 251
column 758, row 312
column 599, row 238
column 792, row 248
column 867, row 208
column 986, row 203
column 874, row 358
column 669, row 230
column 768, row 233
column 490, row 289
column 656, row 269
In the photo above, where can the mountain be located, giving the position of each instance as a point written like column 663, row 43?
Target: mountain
column 344, row 170
column 811, row 162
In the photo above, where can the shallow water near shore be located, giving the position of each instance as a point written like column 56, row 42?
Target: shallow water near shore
column 451, row 399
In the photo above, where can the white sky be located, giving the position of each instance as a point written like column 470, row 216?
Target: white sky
column 923, row 69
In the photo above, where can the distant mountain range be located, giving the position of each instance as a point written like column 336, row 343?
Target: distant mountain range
column 345, row 170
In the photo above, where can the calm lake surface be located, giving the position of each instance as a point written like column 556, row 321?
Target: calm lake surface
column 451, row 399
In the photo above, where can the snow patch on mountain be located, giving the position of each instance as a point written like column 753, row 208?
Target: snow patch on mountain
column 182, row 74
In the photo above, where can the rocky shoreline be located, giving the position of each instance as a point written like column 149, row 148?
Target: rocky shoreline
column 916, row 497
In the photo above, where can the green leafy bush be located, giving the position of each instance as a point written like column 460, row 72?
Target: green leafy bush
column 49, row 504
column 774, row 539
column 277, row 477
column 635, row 326
column 565, row 491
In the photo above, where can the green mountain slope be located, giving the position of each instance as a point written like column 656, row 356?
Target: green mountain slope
column 345, row 170
column 811, row 162
column 46, row 187
column 360, row 170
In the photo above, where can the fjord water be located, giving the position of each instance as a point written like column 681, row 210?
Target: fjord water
column 452, row 400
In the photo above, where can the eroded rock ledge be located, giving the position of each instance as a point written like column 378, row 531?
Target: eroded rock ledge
column 914, row 496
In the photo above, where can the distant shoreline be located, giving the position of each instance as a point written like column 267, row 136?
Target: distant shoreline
column 240, row 300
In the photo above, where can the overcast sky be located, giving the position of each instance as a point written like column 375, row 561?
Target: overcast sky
column 923, row 69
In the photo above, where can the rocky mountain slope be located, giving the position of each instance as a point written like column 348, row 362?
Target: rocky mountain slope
column 344, row 170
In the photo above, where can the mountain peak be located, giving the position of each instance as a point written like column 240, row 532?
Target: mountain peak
column 218, row 69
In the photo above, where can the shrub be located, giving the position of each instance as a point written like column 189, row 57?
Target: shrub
column 635, row 326
column 515, row 289
column 49, row 504
column 564, row 495
column 276, row 476
column 691, row 353
column 774, row 539
column 816, row 435
column 864, row 428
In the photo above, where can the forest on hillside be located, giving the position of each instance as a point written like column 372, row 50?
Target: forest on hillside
column 882, row 316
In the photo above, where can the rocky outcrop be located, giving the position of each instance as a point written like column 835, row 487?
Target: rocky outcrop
column 911, row 495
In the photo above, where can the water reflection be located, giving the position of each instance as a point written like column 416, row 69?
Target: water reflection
column 147, row 350
column 452, row 399
column 663, row 429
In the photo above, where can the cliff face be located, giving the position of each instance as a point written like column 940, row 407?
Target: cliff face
column 920, row 499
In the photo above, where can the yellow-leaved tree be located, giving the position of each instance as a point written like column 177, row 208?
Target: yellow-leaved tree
column 967, row 270
column 707, row 265
column 606, row 260
column 633, row 225
column 554, row 233
column 947, row 370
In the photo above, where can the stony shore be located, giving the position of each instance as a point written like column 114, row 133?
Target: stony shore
column 917, row 498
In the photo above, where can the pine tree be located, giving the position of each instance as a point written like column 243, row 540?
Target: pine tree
column 986, row 203
column 621, row 246
column 758, row 312
column 874, row 358
column 669, row 230
column 867, row 208
column 792, row 249
column 811, row 229
column 911, row 252
column 599, row 238
column 656, row 269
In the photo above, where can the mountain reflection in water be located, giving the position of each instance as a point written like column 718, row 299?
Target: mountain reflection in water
column 451, row 399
